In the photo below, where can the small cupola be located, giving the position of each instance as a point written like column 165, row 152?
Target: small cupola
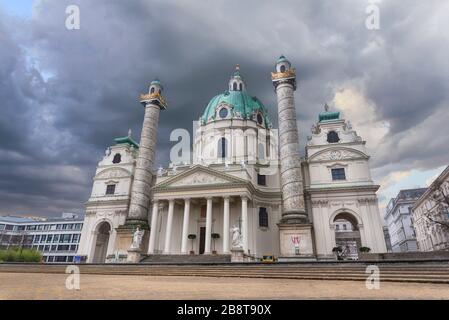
column 155, row 87
column 236, row 82
column 282, row 64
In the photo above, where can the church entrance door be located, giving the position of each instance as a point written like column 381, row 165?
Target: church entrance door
column 202, row 239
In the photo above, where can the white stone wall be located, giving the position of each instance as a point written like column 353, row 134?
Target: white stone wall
column 243, row 142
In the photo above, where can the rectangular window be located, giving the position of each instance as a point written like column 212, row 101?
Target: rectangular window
column 43, row 238
column 66, row 238
column 60, row 258
column 63, row 247
column 76, row 238
column 110, row 189
column 338, row 174
column 261, row 179
column 56, row 238
column 203, row 212
column 49, row 238
column 263, row 217
column 2, row 226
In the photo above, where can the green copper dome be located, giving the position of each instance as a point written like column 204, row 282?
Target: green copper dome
column 239, row 105
column 236, row 103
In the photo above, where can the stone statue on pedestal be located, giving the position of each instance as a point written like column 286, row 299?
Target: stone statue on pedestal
column 137, row 238
column 236, row 237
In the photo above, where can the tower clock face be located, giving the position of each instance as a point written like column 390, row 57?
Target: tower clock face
column 335, row 155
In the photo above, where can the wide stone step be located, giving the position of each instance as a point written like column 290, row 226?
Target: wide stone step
column 422, row 273
column 180, row 259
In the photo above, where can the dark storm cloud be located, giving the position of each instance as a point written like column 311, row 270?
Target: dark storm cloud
column 66, row 94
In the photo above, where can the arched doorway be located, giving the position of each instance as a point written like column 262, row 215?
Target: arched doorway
column 102, row 241
column 347, row 235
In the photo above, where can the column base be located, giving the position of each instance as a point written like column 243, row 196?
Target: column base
column 296, row 241
column 294, row 217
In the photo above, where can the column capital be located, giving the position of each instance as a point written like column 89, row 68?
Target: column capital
column 171, row 201
column 209, row 198
column 226, row 197
column 244, row 197
column 187, row 199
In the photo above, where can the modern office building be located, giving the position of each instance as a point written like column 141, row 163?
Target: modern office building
column 56, row 238
column 399, row 220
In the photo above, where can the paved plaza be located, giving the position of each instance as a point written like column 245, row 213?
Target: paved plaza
column 52, row 286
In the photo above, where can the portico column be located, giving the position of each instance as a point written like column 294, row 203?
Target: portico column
column 226, row 225
column 185, row 225
column 153, row 227
column 171, row 205
column 208, row 225
column 245, row 223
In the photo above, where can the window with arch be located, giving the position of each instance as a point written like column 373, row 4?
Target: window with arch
column 152, row 90
column 259, row 119
column 222, row 148
column 241, row 87
column 117, row 158
column 332, row 137
column 282, row 68
column 234, row 86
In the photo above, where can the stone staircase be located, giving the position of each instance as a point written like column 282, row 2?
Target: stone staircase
column 421, row 272
column 186, row 258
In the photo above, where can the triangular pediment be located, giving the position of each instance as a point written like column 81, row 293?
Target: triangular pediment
column 200, row 176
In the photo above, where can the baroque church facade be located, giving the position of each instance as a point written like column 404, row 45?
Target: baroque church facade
column 246, row 193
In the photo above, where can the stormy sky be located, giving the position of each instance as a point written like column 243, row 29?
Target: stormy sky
column 66, row 94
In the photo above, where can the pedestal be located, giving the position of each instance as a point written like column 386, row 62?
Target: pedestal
column 296, row 242
column 124, row 239
column 134, row 255
column 237, row 255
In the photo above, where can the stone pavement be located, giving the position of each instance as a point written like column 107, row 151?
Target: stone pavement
column 52, row 286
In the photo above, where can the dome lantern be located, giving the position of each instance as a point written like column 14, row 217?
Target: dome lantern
column 236, row 82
